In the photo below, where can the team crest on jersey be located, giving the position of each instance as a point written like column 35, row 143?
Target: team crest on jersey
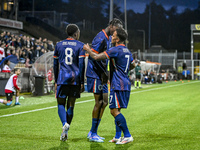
column 100, row 87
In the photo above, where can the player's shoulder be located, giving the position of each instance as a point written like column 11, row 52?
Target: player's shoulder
column 80, row 43
column 100, row 36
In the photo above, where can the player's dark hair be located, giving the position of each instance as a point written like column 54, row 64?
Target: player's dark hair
column 116, row 22
column 122, row 34
column 15, row 69
column 71, row 29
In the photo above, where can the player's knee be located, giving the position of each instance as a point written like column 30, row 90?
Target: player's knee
column 112, row 112
column 105, row 103
column 98, row 103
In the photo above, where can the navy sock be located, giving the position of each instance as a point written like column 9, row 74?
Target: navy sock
column 95, row 124
column 70, row 113
column 62, row 114
column 118, row 131
column 121, row 122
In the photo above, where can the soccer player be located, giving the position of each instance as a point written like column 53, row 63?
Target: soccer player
column 120, row 84
column 69, row 75
column 138, row 75
column 11, row 88
column 97, row 77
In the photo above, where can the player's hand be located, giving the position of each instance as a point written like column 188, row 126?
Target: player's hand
column 86, row 47
column 82, row 88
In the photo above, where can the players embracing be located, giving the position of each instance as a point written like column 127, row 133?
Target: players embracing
column 120, row 83
column 97, row 77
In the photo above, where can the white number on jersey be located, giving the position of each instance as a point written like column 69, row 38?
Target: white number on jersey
column 127, row 56
column 68, row 58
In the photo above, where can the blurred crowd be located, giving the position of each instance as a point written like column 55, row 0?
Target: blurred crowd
column 26, row 48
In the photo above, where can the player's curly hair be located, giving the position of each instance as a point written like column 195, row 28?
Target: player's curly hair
column 71, row 29
column 122, row 34
column 16, row 69
column 116, row 22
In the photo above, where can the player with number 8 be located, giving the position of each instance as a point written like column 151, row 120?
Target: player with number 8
column 69, row 75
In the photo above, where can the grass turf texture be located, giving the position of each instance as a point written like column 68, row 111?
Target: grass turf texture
column 161, row 116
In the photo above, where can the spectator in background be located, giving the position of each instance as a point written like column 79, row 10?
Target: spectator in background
column 24, row 46
column 27, row 64
column 2, row 52
column 6, row 67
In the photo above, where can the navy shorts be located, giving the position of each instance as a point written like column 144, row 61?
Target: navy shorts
column 64, row 91
column 119, row 99
column 95, row 86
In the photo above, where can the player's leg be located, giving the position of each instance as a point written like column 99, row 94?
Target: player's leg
column 61, row 110
column 139, row 81
column 117, row 133
column 3, row 101
column 112, row 104
column 62, row 114
column 17, row 97
column 73, row 94
column 96, row 119
column 120, row 100
column 61, row 100
column 105, row 99
column 94, row 86
column 136, row 80
column 9, row 98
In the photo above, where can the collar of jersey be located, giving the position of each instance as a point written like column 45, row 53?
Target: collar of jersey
column 121, row 45
column 70, row 39
column 105, row 34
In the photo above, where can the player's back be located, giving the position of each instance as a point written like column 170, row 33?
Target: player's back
column 99, row 44
column 120, row 58
column 68, row 52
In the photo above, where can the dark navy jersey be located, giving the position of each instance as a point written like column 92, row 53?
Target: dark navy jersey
column 121, row 58
column 69, row 62
column 99, row 44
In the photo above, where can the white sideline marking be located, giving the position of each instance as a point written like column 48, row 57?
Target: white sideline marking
column 25, row 112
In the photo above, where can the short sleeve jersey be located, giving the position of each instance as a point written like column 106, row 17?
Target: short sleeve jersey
column 68, row 52
column 99, row 44
column 121, row 59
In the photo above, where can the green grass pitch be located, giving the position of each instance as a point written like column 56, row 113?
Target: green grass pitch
column 160, row 117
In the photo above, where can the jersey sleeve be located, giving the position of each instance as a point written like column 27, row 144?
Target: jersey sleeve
column 56, row 64
column 97, row 44
column 15, row 82
column 131, row 59
column 82, row 64
column 111, row 53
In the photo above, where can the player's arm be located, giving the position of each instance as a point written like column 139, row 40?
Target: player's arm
column 56, row 64
column 15, row 83
column 95, row 56
column 132, row 65
column 82, row 68
column 56, row 67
